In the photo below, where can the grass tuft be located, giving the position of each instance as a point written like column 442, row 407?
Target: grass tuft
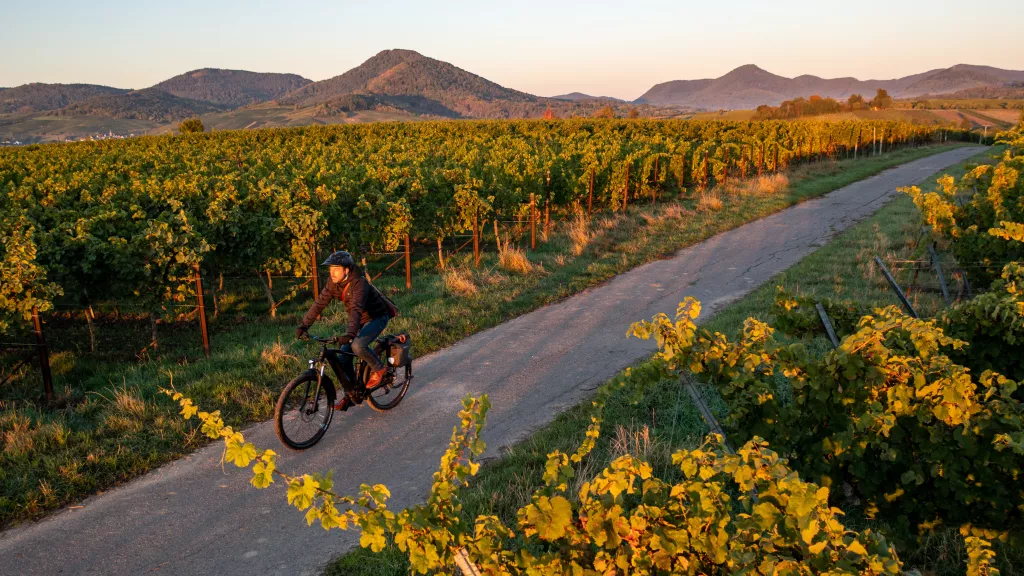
column 709, row 202
column 459, row 281
column 513, row 259
column 579, row 233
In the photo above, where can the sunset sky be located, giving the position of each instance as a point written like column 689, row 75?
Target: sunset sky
column 547, row 48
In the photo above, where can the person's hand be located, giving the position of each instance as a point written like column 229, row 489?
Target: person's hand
column 300, row 332
column 346, row 339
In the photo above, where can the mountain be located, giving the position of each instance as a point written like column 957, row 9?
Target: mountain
column 749, row 86
column 38, row 97
column 149, row 104
column 408, row 81
column 231, row 88
column 579, row 96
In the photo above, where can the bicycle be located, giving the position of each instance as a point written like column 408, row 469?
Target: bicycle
column 306, row 406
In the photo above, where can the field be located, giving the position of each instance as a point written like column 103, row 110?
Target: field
column 269, row 115
column 31, row 129
column 986, row 113
column 662, row 421
column 108, row 413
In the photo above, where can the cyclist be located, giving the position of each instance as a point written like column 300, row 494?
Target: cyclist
column 368, row 314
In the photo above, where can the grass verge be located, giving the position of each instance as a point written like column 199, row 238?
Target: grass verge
column 116, row 427
column 665, row 420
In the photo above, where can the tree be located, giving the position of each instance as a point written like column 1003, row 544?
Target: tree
column 606, row 112
column 633, row 114
column 855, row 102
column 882, row 100
column 549, row 114
column 191, row 126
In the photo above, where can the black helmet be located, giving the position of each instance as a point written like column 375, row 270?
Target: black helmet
column 340, row 258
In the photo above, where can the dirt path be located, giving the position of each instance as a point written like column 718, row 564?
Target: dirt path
column 190, row 517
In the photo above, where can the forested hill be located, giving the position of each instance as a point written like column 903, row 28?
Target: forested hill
column 231, row 88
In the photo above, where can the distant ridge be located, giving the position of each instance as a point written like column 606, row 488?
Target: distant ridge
column 578, row 96
column 750, row 86
column 39, row 97
column 231, row 88
column 149, row 104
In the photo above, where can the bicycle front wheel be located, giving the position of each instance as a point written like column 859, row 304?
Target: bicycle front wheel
column 304, row 411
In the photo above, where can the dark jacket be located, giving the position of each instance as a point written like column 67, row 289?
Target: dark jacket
column 362, row 302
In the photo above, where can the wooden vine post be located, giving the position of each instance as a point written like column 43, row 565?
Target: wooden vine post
column 44, row 355
column 314, row 272
column 625, row 190
column 476, row 239
column 408, row 264
column 202, row 313
column 533, row 222
column 725, row 168
column 706, row 165
column 654, row 186
column 590, row 193
column 547, row 205
column 682, row 177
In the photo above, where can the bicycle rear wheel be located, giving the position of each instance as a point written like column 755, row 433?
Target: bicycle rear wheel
column 304, row 412
column 392, row 390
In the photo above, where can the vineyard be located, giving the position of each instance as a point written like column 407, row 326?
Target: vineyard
column 913, row 421
column 137, row 220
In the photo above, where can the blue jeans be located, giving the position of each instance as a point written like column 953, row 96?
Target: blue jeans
column 361, row 346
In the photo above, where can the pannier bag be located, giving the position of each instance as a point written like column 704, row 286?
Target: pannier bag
column 400, row 353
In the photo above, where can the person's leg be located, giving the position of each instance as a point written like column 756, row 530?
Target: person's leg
column 346, row 365
column 363, row 344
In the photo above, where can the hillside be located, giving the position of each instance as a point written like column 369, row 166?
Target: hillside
column 579, row 97
column 231, row 88
column 38, row 97
column 750, row 86
column 149, row 104
column 408, row 81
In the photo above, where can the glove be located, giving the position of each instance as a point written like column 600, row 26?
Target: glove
column 300, row 332
column 346, row 339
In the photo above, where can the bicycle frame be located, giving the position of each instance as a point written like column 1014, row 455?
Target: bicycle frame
column 329, row 356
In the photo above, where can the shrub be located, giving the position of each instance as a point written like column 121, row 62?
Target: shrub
column 996, row 194
column 191, row 126
column 918, row 439
column 742, row 512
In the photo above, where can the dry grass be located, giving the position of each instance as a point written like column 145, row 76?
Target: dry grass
column 459, row 281
column 709, row 202
column 579, row 233
column 632, row 442
column 764, row 185
column 275, row 355
column 128, row 403
column 513, row 259
column 673, row 212
column 17, row 433
column 491, row 278
column 769, row 185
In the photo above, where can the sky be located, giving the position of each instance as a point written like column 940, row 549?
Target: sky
column 600, row 48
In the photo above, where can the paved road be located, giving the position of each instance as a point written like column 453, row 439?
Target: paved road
column 192, row 518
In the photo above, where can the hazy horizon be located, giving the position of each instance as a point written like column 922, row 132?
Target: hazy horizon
column 597, row 48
